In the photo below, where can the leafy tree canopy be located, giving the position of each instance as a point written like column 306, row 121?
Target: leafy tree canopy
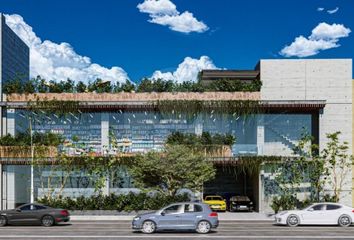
column 175, row 168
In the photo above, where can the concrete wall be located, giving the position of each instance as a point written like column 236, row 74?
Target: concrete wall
column 315, row 79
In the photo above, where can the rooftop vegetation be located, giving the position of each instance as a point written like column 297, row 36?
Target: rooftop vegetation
column 41, row 85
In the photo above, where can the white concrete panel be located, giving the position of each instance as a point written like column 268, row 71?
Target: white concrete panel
column 314, row 79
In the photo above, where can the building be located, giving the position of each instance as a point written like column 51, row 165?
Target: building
column 14, row 55
column 14, row 62
column 296, row 96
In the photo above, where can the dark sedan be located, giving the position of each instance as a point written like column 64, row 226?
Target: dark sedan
column 241, row 203
column 34, row 214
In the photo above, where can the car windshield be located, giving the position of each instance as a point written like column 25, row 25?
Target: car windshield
column 214, row 198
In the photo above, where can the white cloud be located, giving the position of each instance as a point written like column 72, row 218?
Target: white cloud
column 164, row 12
column 161, row 7
column 329, row 32
column 55, row 61
column 187, row 70
column 332, row 11
column 323, row 37
column 184, row 22
column 320, row 9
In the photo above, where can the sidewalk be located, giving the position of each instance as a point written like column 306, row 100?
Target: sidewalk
column 227, row 216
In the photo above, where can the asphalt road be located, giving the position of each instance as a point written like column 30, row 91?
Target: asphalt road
column 121, row 230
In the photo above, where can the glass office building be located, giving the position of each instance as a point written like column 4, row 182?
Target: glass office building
column 14, row 55
column 139, row 131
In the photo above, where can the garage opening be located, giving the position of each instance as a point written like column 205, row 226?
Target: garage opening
column 230, row 182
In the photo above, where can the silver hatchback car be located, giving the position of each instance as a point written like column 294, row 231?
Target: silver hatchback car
column 178, row 216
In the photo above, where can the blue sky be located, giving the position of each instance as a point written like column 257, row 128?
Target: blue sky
column 235, row 36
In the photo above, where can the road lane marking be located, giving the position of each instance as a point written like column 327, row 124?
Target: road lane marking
column 182, row 237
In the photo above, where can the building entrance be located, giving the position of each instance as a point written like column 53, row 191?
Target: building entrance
column 230, row 182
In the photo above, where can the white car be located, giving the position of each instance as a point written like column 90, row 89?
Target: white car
column 317, row 214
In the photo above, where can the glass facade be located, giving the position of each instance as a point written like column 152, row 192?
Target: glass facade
column 141, row 131
column 14, row 55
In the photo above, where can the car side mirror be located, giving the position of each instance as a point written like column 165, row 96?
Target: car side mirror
column 163, row 213
column 310, row 209
column 18, row 210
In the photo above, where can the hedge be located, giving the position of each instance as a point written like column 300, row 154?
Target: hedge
column 128, row 202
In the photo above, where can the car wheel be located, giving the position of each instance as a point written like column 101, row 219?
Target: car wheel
column 148, row 227
column 344, row 221
column 293, row 220
column 203, row 227
column 3, row 221
column 48, row 221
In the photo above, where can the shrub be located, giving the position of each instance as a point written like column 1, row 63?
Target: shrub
column 129, row 202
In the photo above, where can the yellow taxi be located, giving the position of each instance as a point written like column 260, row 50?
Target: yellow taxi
column 216, row 203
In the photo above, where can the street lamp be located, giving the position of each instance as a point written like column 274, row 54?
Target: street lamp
column 32, row 157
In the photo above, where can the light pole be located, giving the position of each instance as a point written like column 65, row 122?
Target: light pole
column 32, row 157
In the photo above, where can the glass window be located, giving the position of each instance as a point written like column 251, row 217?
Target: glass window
column 28, row 207
column 333, row 207
column 39, row 207
column 175, row 209
column 192, row 208
column 319, row 207
column 217, row 198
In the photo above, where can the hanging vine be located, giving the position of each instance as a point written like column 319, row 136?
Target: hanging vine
column 54, row 106
column 240, row 107
column 252, row 164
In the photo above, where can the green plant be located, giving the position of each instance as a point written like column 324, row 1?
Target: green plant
column 168, row 171
column 191, row 139
column 129, row 202
column 40, row 85
column 338, row 163
column 24, row 139
column 284, row 202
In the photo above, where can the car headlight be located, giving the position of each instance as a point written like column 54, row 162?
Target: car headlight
column 251, row 203
column 136, row 218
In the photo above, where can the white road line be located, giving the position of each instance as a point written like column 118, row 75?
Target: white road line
column 182, row 237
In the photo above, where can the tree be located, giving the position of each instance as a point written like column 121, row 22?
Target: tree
column 81, row 87
column 146, row 85
column 128, row 86
column 29, row 87
column 55, row 87
column 41, row 84
column 13, row 86
column 338, row 163
column 68, row 86
column 305, row 166
column 175, row 168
